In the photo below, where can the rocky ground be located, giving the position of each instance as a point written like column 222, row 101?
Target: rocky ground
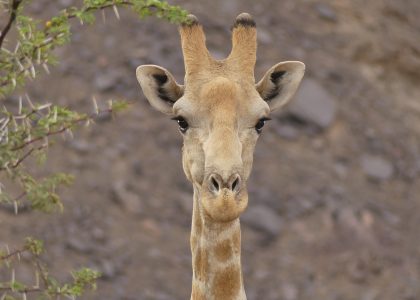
column 334, row 194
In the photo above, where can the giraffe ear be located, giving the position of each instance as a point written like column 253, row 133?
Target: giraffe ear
column 280, row 83
column 159, row 87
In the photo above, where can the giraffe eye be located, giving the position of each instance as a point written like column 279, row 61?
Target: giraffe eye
column 260, row 124
column 183, row 124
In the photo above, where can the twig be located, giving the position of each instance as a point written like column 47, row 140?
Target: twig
column 11, row 254
column 16, row 164
column 128, row 3
column 22, row 291
column 13, row 13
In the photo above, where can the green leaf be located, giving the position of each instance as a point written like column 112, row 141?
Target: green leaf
column 36, row 247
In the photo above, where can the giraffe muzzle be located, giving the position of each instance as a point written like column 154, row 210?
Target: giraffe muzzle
column 217, row 185
column 224, row 198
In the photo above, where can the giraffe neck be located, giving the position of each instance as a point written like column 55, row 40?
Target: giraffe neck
column 216, row 257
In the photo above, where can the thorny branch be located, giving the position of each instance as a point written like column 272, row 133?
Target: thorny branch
column 47, row 42
column 50, row 133
column 12, row 18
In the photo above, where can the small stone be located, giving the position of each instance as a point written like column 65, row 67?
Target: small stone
column 371, row 295
column 150, row 226
column 341, row 170
column 326, row 12
column 367, row 218
column 289, row 291
column 98, row 234
column 263, row 219
column 80, row 146
column 314, row 105
column 376, row 167
column 66, row 3
column 106, row 81
column 130, row 201
column 357, row 271
column 108, row 269
column 79, row 245
column 391, row 218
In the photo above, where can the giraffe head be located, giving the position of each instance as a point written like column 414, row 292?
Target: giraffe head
column 220, row 111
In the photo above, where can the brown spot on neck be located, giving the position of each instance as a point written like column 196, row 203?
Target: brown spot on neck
column 223, row 250
column 201, row 264
column 227, row 283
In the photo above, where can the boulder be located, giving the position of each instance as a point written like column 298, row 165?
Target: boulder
column 313, row 104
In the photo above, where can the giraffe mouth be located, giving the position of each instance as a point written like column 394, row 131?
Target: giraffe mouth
column 226, row 205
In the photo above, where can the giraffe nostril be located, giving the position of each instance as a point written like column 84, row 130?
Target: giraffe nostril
column 235, row 183
column 214, row 184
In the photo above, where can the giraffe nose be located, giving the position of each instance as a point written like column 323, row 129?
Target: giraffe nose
column 217, row 183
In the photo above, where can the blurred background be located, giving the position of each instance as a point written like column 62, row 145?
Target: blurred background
column 335, row 189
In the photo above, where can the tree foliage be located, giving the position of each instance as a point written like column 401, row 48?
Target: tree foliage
column 28, row 128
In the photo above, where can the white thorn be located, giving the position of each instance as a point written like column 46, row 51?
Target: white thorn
column 38, row 56
column 15, row 206
column 44, row 106
column 95, row 105
column 29, row 101
column 117, row 14
column 45, row 66
column 70, row 133
column 103, row 16
column 21, row 68
column 54, row 119
column 33, row 73
column 47, row 40
column 17, row 46
column 20, row 105
column 36, row 279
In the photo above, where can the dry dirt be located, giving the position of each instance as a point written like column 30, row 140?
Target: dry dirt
column 343, row 193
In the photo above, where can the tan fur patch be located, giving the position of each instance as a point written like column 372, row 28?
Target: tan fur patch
column 227, row 283
column 223, row 250
column 197, row 294
column 236, row 239
column 193, row 241
column 198, row 223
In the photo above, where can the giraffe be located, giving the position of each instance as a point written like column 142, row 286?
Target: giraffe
column 220, row 111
